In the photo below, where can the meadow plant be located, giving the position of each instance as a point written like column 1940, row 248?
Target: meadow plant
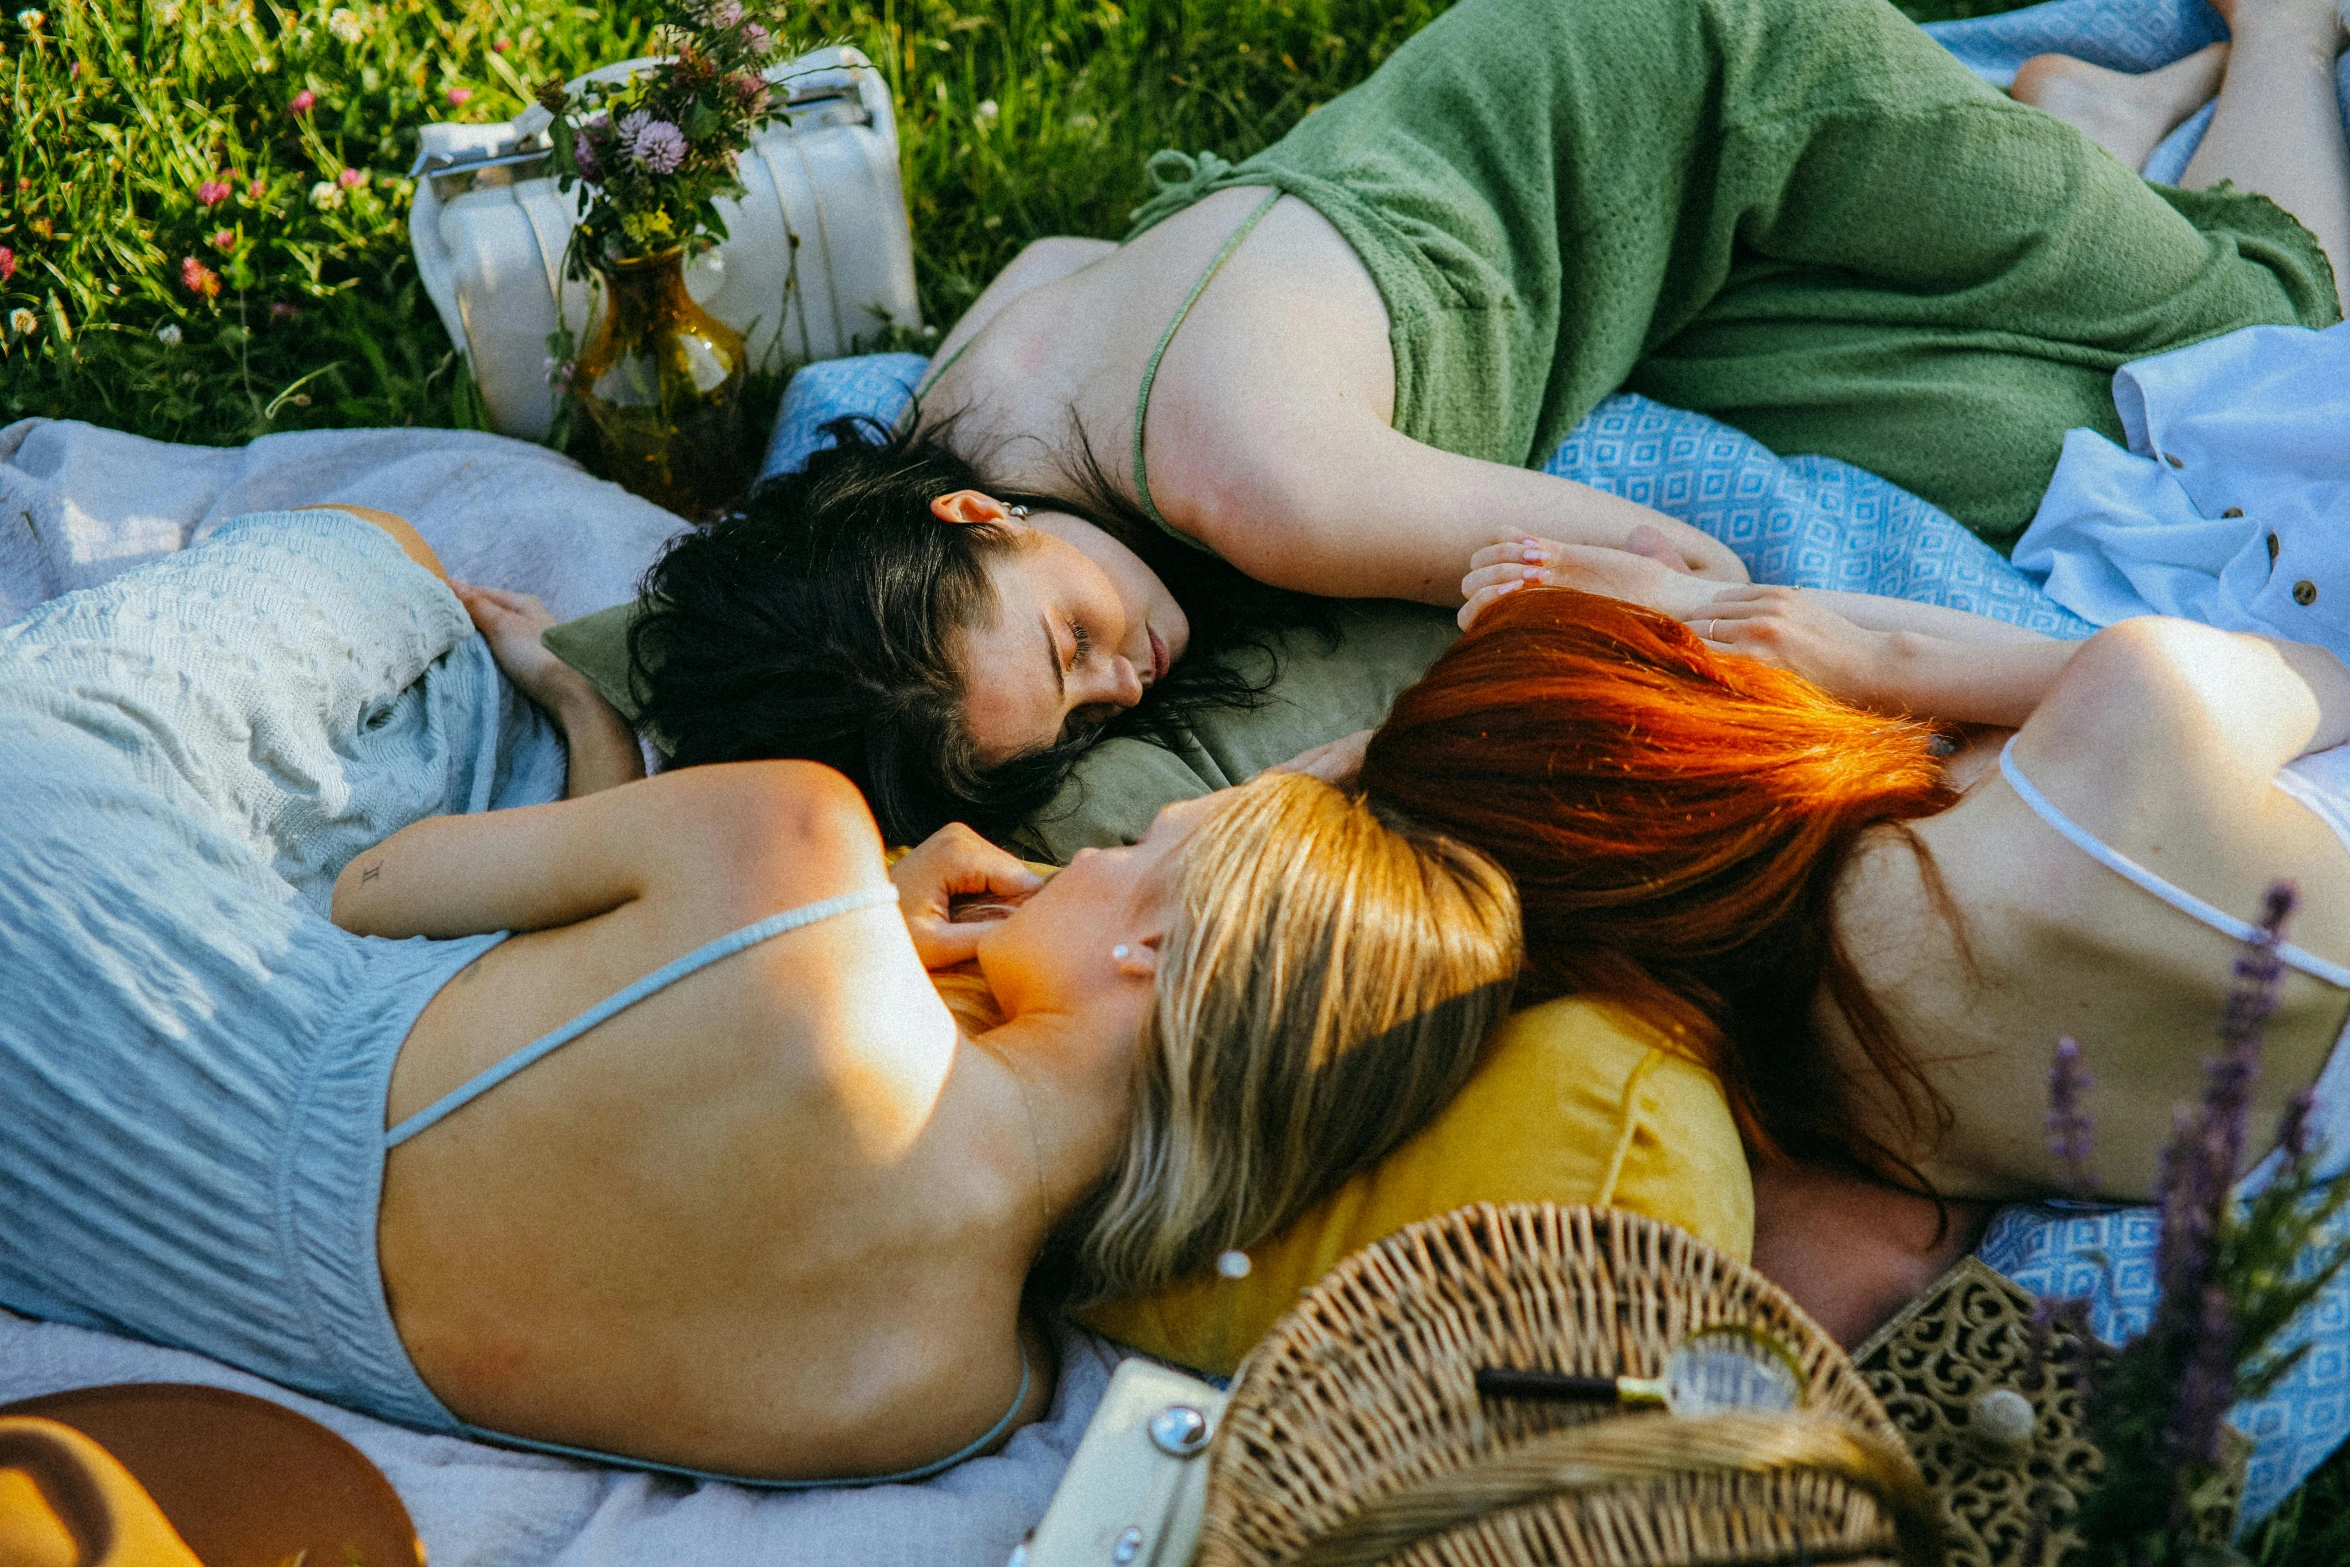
column 657, row 151
column 2233, row 1275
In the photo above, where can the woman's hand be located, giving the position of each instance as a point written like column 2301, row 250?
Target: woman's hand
column 1339, row 763
column 1786, row 628
column 602, row 745
column 1655, row 580
column 1790, row 629
column 511, row 623
column 956, row 863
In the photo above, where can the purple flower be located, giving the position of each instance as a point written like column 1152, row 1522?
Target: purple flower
column 726, row 13
column 659, row 146
column 752, row 90
column 583, row 153
column 2198, row 1169
column 756, row 39
column 2293, row 1130
column 2069, row 1129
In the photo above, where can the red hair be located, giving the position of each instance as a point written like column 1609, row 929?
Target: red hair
column 1677, row 820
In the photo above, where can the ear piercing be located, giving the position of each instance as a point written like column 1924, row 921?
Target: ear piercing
column 1121, row 952
column 1017, row 511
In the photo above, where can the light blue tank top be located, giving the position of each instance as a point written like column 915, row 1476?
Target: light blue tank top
column 547, row 1044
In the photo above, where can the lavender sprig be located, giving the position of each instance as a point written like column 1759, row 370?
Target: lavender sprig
column 2070, row 1131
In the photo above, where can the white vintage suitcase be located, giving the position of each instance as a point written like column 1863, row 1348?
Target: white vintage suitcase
column 818, row 259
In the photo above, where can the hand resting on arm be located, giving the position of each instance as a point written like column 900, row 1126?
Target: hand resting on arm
column 602, row 746
column 1888, row 654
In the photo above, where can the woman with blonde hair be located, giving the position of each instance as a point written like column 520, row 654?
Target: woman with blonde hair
column 630, row 1126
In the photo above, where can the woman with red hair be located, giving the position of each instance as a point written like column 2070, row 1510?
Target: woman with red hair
column 1873, row 910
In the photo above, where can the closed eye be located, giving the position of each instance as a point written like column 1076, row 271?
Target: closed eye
column 1082, row 638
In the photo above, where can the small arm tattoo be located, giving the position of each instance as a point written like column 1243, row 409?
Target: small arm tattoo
column 371, row 873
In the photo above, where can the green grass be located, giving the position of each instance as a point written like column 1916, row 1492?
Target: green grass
column 1019, row 118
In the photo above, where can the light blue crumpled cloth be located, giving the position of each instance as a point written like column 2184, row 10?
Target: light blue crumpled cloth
column 2227, row 504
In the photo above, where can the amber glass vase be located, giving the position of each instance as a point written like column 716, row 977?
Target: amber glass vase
column 661, row 382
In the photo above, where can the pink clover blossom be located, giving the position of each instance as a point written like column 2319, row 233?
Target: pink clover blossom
column 302, row 102
column 660, row 147
column 212, row 193
column 457, row 96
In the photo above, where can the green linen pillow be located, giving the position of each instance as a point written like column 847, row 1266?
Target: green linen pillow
column 1324, row 691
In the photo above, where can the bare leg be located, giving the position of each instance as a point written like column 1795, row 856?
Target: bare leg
column 2278, row 130
column 2126, row 115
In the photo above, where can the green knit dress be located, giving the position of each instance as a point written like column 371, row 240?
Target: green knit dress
column 1800, row 217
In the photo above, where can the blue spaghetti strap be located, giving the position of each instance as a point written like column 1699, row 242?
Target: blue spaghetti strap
column 936, row 1466
column 2177, row 897
column 660, row 979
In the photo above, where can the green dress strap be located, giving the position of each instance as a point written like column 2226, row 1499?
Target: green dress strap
column 1150, row 371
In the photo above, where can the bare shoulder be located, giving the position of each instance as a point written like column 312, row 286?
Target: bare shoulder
column 1040, row 262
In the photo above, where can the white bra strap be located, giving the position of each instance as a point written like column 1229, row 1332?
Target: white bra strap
column 2177, row 897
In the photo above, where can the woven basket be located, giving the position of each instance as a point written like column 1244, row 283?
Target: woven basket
column 1356, row 1434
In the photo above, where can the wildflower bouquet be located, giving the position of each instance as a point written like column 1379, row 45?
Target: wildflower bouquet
column 2233, row 1277
column 657, row 151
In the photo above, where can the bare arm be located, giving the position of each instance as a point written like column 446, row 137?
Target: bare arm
column 1044, row 261
column 1368, row 513
column 547, row 865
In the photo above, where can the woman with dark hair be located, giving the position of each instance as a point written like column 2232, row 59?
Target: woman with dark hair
column 1332, row 366
column 839, row 615
column 1876, row 936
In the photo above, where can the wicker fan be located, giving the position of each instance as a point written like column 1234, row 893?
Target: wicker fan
column 1356, row 1433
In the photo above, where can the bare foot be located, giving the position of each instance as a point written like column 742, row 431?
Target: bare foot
column 2126, row 115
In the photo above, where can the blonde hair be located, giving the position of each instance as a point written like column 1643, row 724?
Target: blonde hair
column 1329, row 982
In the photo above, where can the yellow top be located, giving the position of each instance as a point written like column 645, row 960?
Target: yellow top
column 1572, row 1105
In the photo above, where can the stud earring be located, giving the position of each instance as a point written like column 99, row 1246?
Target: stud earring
column 1017, row 511
column 1121, row 952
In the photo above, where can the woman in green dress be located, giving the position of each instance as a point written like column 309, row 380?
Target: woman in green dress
column 1327, row 369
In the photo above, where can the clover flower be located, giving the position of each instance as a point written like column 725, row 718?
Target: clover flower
column 302, row 102
column 212, row 193
column 751, row 88
column 7, row 263
column 757, row 39
column 199, row 279
column 346, row 27
column 350, row 179
column 2070, row 1131
column 326, row 195
column 225, row 241
column 457, row 96
column 502, row 46
column 726, row 13
column 256, row 190
column 31, row 21
column 23, row 321
column 659, row 146
column 168, row 334
column 583, row 153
